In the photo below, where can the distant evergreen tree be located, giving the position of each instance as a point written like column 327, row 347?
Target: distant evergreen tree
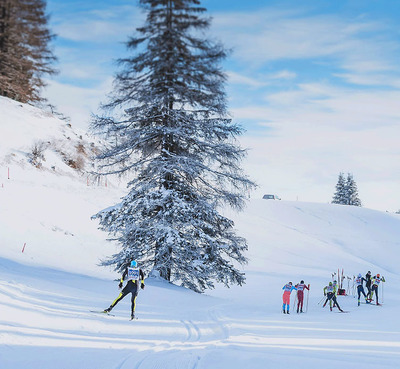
column 346, row 191
column 166, row 124
column 340, row 196
column 352, row 191
column 25, row 56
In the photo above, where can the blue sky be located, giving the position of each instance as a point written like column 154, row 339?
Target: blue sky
column 316, row 84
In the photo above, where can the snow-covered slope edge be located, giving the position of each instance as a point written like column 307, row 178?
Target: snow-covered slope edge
column 33, row 137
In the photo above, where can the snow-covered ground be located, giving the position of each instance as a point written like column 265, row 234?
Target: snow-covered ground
column 48, row 290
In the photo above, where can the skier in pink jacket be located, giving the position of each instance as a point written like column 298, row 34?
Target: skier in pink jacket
column 288, row 288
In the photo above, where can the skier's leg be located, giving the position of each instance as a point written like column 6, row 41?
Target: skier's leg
column 335, row 301
column 301, row 300
column 286, row 300
column 370, row 292
column 123, row 293
column 133, row 305
column 363, row 292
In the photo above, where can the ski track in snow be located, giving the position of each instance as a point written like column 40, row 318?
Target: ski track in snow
column 41, row 317
column 41, row 314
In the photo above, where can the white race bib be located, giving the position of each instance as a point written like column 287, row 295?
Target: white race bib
column 133, row 274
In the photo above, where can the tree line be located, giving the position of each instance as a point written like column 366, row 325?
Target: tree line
column 25, row 53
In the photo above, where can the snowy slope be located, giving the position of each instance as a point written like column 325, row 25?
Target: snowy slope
column 46, row 291
column 60, row 148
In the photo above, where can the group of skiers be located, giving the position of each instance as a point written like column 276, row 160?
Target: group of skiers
column 330, row 291
column 288, row 288
column 134, row 275
column 372, row 284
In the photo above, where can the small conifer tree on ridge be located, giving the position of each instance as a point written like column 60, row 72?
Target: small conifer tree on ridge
column 346, row 191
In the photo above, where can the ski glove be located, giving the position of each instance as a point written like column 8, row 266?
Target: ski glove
column 142, row 286
column 120, row 284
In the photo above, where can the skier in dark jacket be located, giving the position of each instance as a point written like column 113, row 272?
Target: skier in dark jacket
column 368, row 284
column 330, row 293
column 360, row 289
column 132, row 274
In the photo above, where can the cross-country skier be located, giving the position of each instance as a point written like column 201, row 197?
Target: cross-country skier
column 300, row 295
column 329, row 292
column 132, row 274
column 360, row 288
column 335, row 286
column 376, row 280
column 368, row 284
column 288, row 288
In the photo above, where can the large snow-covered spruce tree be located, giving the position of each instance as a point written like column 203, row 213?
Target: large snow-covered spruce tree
column 166, row 124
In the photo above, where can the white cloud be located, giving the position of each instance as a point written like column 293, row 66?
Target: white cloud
column 113, row 24
column 77, row 102
column 236, row 78
column 283, row 74
column 354, row 45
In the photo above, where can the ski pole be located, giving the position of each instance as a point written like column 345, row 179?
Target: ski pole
column 308, row 294
column 294, row 302
column 383, row 295
column 323, row 298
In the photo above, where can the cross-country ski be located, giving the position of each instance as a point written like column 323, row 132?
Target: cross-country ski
column 101, row 312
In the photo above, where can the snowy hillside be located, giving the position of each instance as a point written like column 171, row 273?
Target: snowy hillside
column 33, row 137
column 50, row 278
